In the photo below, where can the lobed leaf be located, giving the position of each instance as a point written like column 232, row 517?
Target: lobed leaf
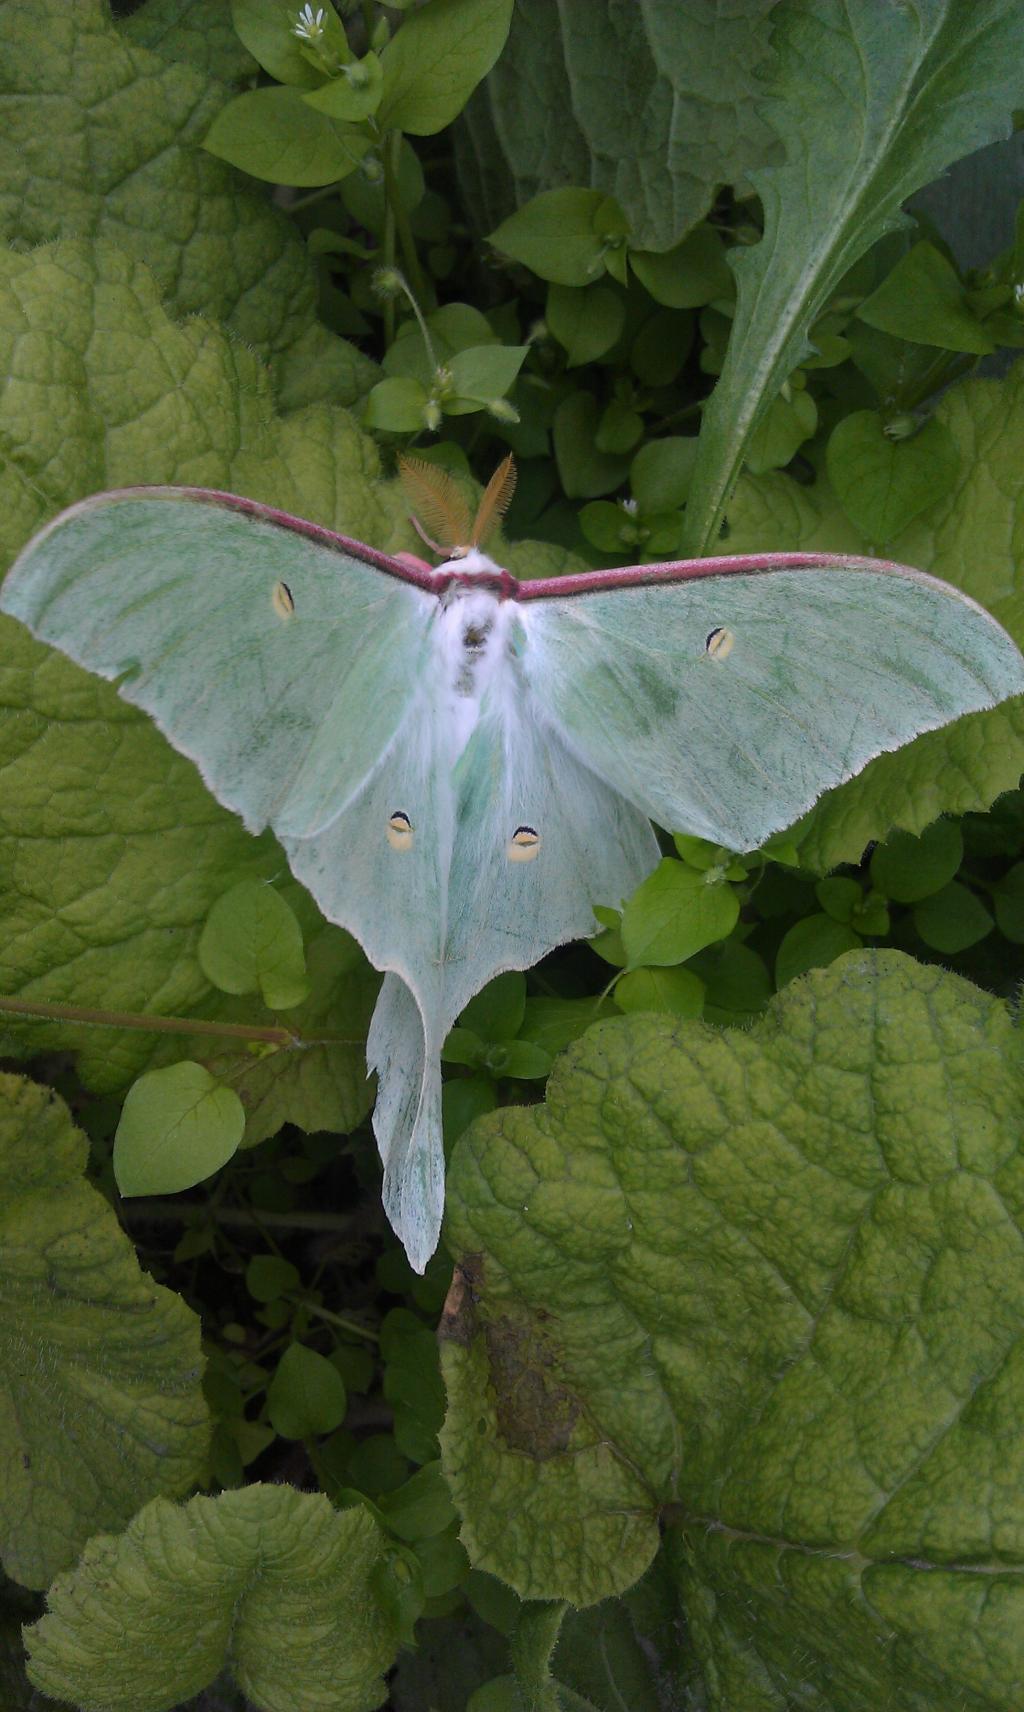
column 101, row 1406
column 766, row 1284
column 280, row 1589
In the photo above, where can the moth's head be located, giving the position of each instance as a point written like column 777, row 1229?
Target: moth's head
column 441, row 517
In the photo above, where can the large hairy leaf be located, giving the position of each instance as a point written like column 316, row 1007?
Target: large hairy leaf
column 102, row 138
column 113, row 852
column 653, row 103
column 973, row 536
column 869, row 103
column 766, row 1287
column 100, row 1400
column 273, row 1584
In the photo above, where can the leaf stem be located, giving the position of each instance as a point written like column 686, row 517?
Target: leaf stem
column 44, row 1012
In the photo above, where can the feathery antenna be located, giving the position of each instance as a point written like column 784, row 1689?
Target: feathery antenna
column 440, row 506
column 497, row 497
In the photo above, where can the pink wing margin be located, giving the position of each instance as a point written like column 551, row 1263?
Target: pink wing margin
column 407, row 568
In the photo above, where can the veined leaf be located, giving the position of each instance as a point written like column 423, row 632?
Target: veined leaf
column 869, row 103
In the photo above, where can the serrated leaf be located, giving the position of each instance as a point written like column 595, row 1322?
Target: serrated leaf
column 306, row 1396
column 861, row 101
column 128, row 166
column 178, row 1126
column 436, row 59
column 922, row 299
column 105, row 391
column 656, row 105
column 87, row 1337
column 274, row 134
column 675, row 912
column 251, row 942
column 883, row 483
column 280, row 1587
column 797, row 1323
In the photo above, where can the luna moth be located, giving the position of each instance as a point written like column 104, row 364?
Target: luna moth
column 459, row 765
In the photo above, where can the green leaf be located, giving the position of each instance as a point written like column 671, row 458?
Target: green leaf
column 251, row 942
column 619, row 427
column 782, row 430
column 655, row 105
column 922, row 299
column 274, row 134
column 862, row 103
column 267, row 29
column 520, row 1059
column 952, row 920
column 421, row 1508
column 813, row 943
column 583, row 470
column 306, row 1396
column 485, row 372
column 281, row 1588
column 1008, row 902
column 462, row 1046
column 967, row 538
column 660, row 473
column 178, row 1126
column 587, row 322
column 196, row 32
column 87, row 1338
column 269, row 1276
column 678, row 991
column 215, row 243
column 398, row 405
column 497, row 1011
column 554, row 1023
column 691, row 274
column 883, row 483
column 436, row 59
column 822, row 1349
column 661, row 347
column 675, row 912
column 412, row 1385
column 353, row 96
column 462, row 1102
column 736, row 981
column 563, row 235
column 908, row 869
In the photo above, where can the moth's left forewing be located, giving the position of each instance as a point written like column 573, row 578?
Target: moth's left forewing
column 725, row 705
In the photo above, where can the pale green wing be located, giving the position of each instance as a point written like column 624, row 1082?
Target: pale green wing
column 280, row 665
column 725, row 705
column 456, row 899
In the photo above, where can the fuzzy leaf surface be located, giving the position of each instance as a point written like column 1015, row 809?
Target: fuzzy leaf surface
column 113, row 851
column 100, row 1400
column 768, row 1283
column 102, row 138
column 279, row 1589
column 868, row 103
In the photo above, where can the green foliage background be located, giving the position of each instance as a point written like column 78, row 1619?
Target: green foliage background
column 726, row 1415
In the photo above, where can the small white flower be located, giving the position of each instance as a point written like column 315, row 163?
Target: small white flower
column 308, row 26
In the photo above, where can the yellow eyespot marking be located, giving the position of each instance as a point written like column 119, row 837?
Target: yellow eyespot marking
column 523, row 845
column 719, row 643
column 400, row 833
column 284, row 604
